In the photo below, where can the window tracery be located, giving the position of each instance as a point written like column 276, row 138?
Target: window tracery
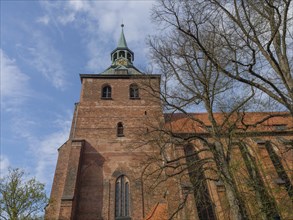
column 122, row 198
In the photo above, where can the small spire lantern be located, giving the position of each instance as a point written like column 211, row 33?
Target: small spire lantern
column 122, row 55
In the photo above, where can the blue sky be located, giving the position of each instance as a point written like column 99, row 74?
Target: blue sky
column 45, row 45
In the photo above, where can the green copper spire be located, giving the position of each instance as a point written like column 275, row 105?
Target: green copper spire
column 122, row 59
column 122, row 55
column 122, row 42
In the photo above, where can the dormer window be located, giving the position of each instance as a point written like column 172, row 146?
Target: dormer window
column 107, row 92
column 133, row 91
column 120, row 132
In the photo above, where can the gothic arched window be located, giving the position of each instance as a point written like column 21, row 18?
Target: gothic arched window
column 133, row 91
column 122, row 198
column 120, row 132
column 204, row 204
column 106, row 92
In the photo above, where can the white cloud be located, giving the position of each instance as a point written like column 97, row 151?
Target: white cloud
column 43, row 20
column 65, row 19
column 46, row 152
column 4, row 165
column 46, row 59
column 78, row 5
column 100, row 24
column 42, row 148
column 14, row 83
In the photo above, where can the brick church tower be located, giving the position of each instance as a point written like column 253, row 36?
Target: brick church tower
column 98, row 173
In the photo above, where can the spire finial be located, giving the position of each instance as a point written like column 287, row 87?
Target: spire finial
column 122, row 42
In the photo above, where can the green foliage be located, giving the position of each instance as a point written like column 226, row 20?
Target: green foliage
column 21, row 198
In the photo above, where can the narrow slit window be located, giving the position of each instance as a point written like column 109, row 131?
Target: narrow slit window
column 120, row 130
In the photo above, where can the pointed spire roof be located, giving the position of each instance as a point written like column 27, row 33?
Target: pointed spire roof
column 122, row 59
column 122, row 41
column 122, row 49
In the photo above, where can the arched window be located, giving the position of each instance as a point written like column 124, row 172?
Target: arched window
column 204, row 204
column 106, row 92
column 120, row 132
column 122, row 198
column 115, row 57
column 121, row 53
column 129, row 57
column 133, row 91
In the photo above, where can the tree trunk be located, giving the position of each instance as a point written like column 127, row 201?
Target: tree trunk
column 237, row 207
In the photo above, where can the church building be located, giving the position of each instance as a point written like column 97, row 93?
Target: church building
column 98, row 176
column 100, row 169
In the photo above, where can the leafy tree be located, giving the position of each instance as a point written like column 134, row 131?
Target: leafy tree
column 21, row 198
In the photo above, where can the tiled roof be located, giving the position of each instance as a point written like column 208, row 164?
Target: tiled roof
column 249, row 121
